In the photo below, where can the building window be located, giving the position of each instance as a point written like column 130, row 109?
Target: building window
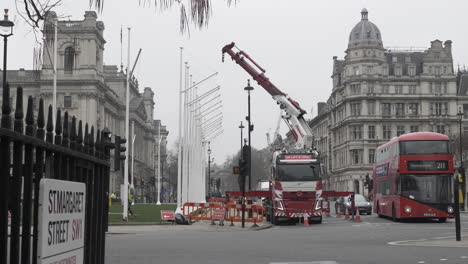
column 370, row 70
column 69, row 59
column 387, row 132
column 438, row 88
column 437, row 70
column 394, row 59
column 67, row 101
column 385, row 70
column 371, row 107
column 370, row 88
column 400, row 109
column 439, row 109
column 355, row 109
column 371, row 155
column 355, row 70
column 413, row 108
column 407, row 59
column 371, row 132
column 385, row 89
column 412, row 89
column 398, row 89
column 398, row 70
column 414, row 129
column 355, row 88
column 411, row 70
column 356, row 132
column 440, row 129
column 356, row 156
column 386, row 109
column 400, row 130
column 430, row 69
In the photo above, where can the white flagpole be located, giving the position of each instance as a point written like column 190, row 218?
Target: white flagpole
column 127, row 132
column 54, row 93
column 179, row 154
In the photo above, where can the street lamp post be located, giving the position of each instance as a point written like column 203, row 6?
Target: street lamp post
column 209, row 168
column 6, row 30
column 462, row 168
column 249, row 88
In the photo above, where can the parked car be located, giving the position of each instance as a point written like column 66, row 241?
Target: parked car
column 361, row 204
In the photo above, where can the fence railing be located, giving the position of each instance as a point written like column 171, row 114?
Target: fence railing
column 34, row 149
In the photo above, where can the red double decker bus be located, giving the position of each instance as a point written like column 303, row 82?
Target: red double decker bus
column 412, row 177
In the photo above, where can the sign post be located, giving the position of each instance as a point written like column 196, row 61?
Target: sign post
column 61, row 221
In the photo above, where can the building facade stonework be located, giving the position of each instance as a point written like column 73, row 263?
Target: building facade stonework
column 95, row 93
column 379, row 93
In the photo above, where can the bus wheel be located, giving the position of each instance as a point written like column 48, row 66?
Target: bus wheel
column 442, row 219
column 394, row 218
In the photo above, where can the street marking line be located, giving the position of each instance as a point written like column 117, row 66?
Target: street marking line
column 443, row 259
column 463, row 257
column 421, row 262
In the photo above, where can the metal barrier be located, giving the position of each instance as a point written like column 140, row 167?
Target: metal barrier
column 70, row 155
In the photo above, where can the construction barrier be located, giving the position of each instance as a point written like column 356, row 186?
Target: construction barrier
column 233, row 212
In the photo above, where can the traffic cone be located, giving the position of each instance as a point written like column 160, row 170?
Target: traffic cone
column 306, row 219
column 346, row 217
column 338, row 215
column 358, row 218
column 327, row 214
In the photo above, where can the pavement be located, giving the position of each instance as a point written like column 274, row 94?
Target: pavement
column 337, row 241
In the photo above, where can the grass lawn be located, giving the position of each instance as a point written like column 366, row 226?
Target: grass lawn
column 144, row 213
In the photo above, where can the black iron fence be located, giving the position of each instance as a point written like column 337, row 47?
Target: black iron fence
column 31, row 148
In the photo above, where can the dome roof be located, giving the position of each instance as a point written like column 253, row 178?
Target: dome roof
column 365, row 32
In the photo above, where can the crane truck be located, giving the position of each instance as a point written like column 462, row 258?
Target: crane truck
column 295, row 183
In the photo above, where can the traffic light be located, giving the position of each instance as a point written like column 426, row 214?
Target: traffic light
column 119, row 153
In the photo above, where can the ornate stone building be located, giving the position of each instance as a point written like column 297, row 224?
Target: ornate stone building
column 95, row 93
column 380, row 93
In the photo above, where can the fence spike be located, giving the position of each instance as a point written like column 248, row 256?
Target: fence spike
column 50, row 126
column 91, row 141
column 19, row 122
column 73, row 133
column 58, row 128
column 30, row 117
column 40, row 120
column 65, row 138
column 98, row 144
column 80, row 136
column 86, row 138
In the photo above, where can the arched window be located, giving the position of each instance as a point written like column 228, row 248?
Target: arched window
column 69, row 59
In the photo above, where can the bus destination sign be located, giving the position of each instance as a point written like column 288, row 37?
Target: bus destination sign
column 427, row 165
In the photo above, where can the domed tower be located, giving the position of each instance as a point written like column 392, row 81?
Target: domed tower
column 365, row 41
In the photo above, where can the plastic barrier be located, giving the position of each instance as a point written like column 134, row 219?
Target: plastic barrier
column 205, row 211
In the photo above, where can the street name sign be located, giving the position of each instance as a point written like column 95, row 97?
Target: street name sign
column 61, row 221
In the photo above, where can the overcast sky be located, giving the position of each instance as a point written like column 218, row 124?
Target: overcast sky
column 293, row 40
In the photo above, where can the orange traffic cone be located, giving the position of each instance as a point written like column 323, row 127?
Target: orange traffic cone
column 346, row 217
column 358, row 218
column 327, row 214
column 338, row 215
column 306, row 219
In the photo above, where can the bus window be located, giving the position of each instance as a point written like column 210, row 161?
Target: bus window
column 424, row 147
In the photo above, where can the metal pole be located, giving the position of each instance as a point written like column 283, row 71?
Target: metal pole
column 127, row 132
column 159, row 165
column 209, row 168
column 133, row 156
column 249, row 88
column 241, row 130
column 6, row 93
column 54, row 95
column 179, row 154
column 462, row 168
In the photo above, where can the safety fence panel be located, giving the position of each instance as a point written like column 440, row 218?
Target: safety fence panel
column 32, row 148
column 206, row 211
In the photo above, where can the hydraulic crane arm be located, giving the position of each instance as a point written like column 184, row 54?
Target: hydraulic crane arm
column 293, row 112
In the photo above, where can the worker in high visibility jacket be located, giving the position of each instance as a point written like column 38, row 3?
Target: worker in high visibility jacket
column 130, row 201
column 460, row 182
